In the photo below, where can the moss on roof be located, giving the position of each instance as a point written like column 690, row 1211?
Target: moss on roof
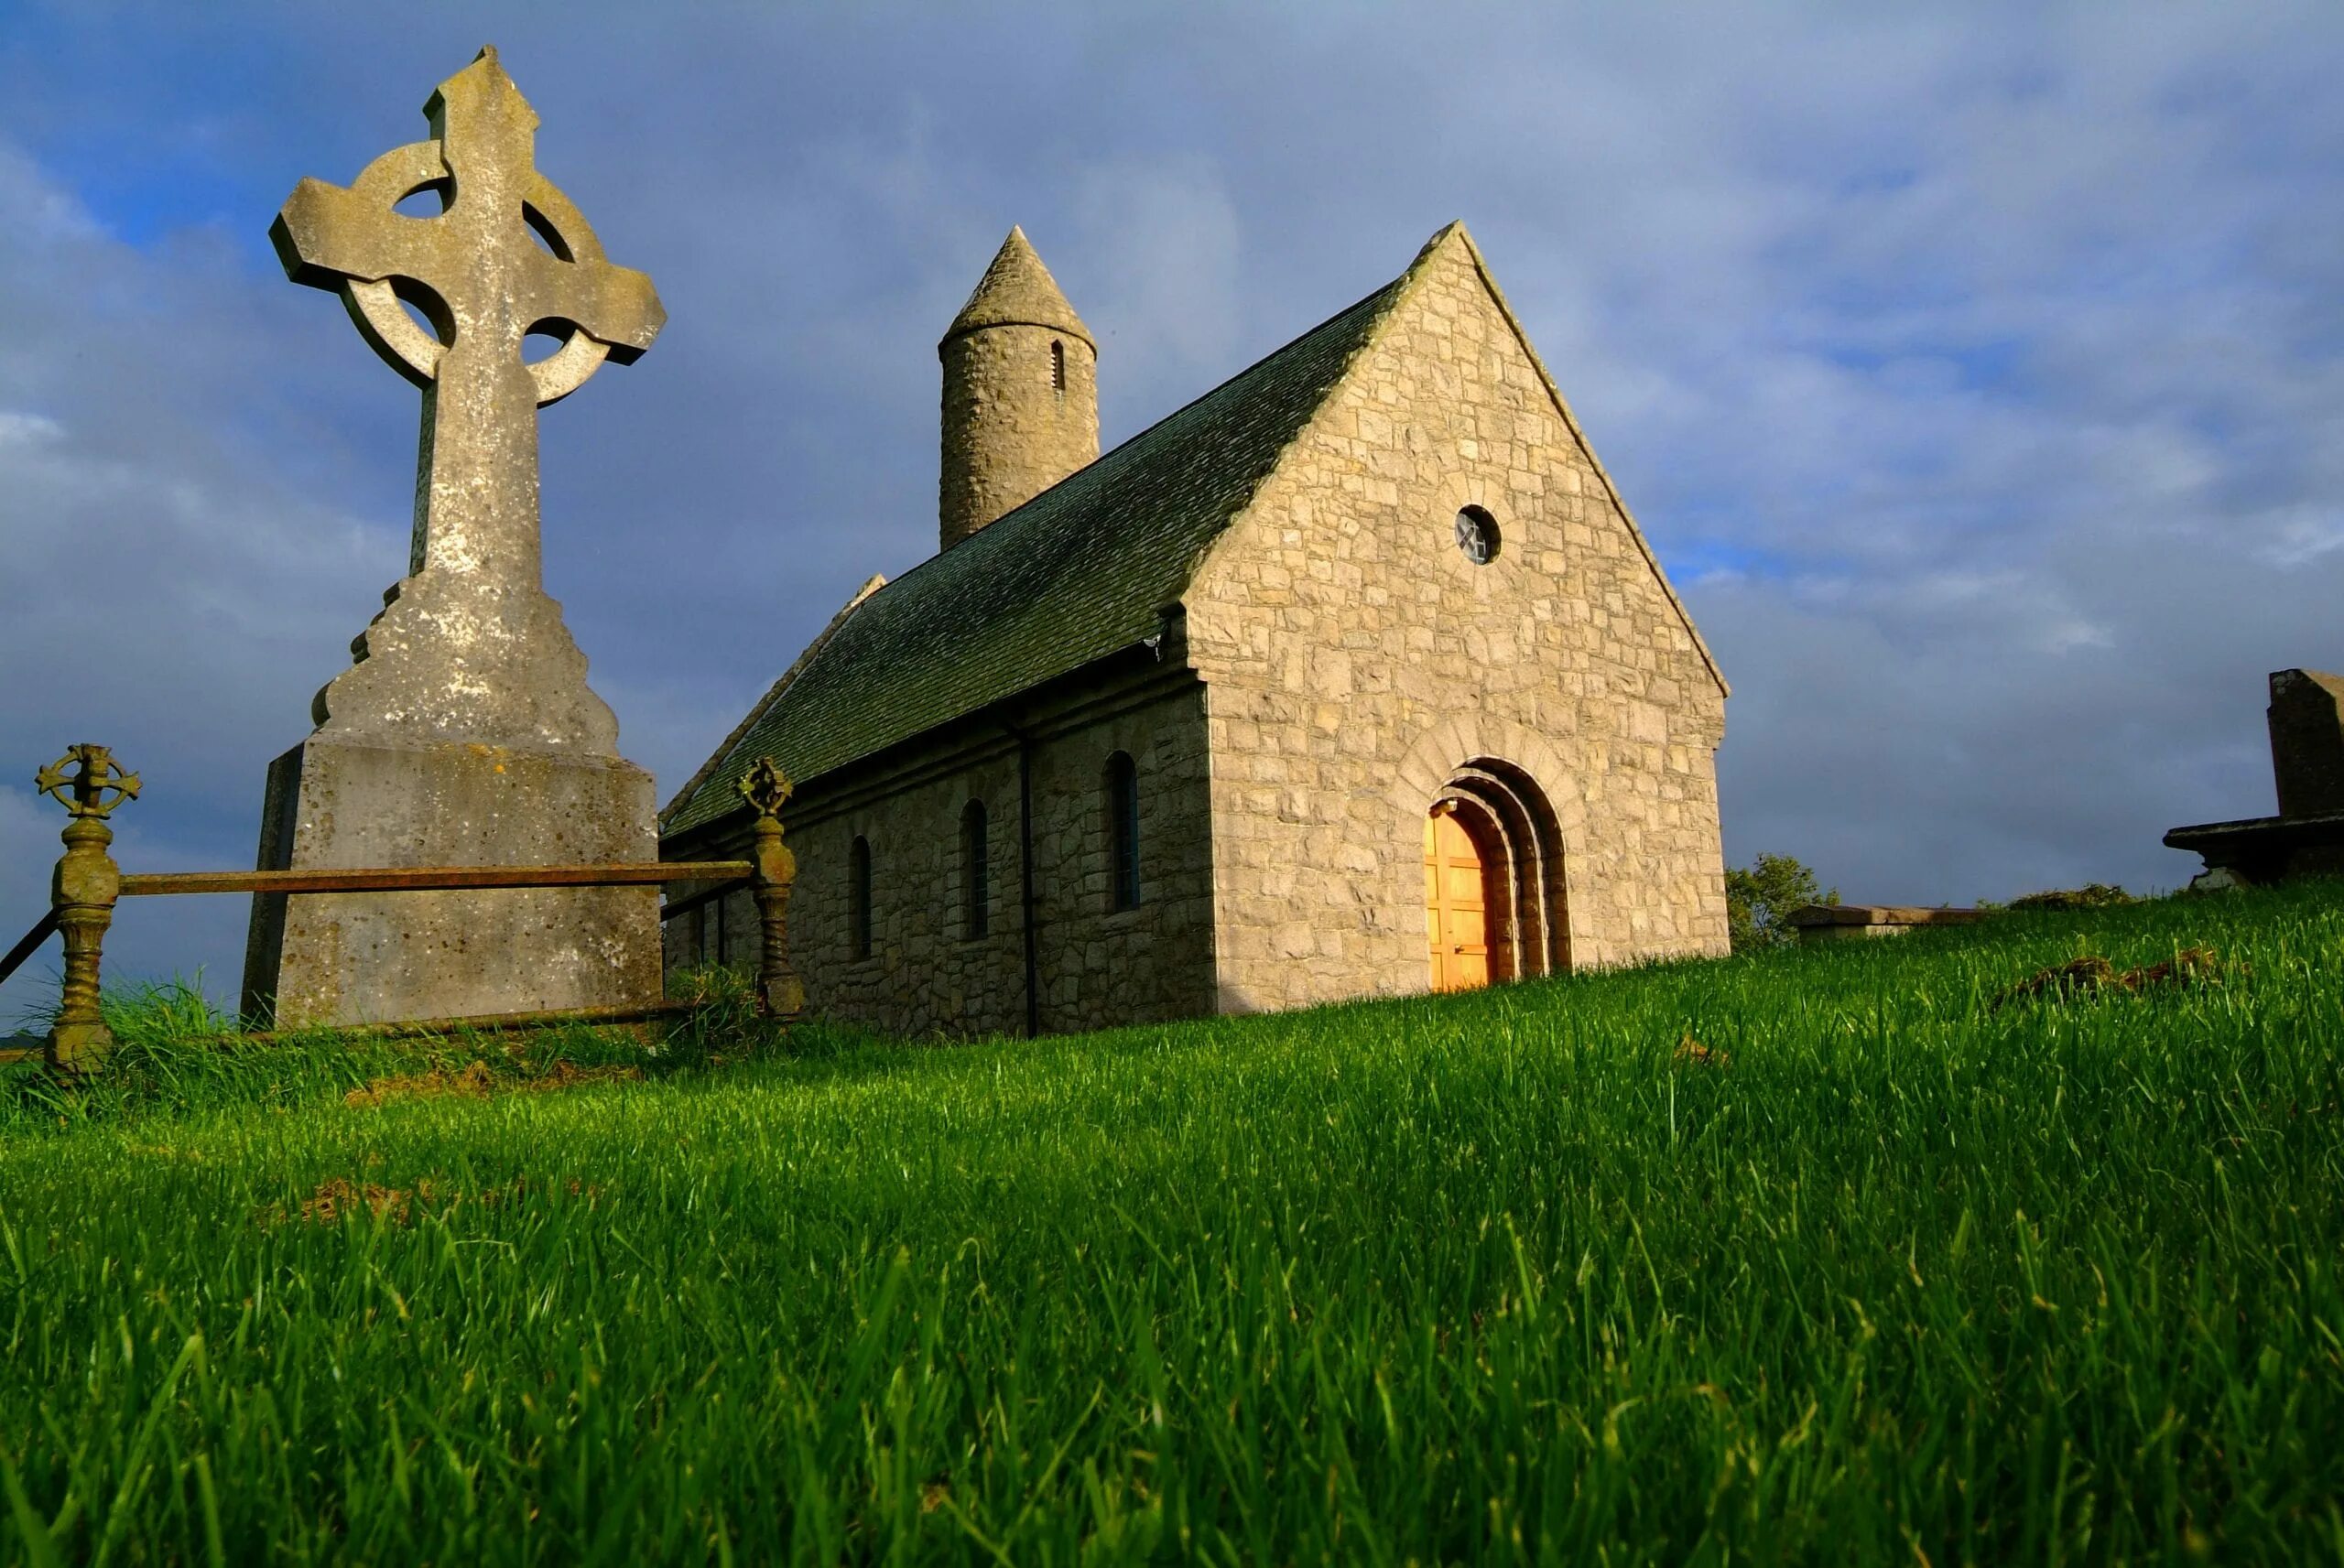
column 1078, row 572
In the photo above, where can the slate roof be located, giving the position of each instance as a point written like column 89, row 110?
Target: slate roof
column 1078, row 572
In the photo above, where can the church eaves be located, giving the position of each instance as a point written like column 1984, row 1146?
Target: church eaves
column 1080, row 571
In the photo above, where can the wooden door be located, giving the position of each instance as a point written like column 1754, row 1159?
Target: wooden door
column 1456, row 920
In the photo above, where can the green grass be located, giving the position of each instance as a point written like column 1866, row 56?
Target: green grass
column 1491, row 1278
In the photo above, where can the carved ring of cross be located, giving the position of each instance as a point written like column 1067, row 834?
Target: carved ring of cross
column 417, row 166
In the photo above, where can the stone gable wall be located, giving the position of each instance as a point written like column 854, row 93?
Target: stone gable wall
column 1354, row 657
column 1098, row 968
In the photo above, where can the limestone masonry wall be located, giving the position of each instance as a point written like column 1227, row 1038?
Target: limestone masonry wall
column 1098, row 966
column 1354, row 658
column 1008, row 433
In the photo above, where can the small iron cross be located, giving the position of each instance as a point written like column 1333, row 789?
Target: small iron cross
column 766, row 787
column 84, row 791
column 479, row 274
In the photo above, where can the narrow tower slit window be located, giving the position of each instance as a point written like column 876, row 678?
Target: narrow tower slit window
column 1123, row 831
column 1057, row 366
column 976, row 880
column 858, row 897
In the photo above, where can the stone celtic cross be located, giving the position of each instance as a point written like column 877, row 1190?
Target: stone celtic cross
column 466, row 733
column 507, row 256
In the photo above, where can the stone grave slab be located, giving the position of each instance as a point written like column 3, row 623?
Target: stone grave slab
column 2307, row 838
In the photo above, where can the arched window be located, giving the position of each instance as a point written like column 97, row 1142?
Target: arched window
column 1122, row 830
column 976, row 883
column 858, row 898
column 1057, row 366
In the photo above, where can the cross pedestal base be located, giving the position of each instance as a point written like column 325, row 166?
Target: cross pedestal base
column 338, row 803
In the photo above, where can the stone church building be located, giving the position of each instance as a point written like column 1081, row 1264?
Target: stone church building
column 1352, row 677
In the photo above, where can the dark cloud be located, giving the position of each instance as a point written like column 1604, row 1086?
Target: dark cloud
column 1980, row 375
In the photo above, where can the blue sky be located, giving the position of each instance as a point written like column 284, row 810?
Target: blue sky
column 1978, row 373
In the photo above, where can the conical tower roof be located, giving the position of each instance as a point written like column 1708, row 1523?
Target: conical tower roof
column 1018, row 290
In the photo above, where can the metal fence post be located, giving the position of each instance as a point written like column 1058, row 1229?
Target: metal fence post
column 780, row 994
column 81, row 894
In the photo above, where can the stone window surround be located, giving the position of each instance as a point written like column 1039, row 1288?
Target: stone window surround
column 1120, row 781
column 1469, row 488
column 976, row 871
column 859, row 899
column 1479, row 517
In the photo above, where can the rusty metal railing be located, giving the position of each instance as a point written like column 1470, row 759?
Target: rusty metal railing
column 87, row 884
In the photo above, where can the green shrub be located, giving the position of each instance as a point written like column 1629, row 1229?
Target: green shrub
column 1759, row 899
column 2091, row 896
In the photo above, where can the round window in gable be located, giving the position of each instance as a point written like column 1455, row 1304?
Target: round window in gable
column 1477, row 536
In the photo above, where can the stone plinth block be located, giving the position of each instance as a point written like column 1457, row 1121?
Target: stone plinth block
column 1837, row 921
column 341, row 958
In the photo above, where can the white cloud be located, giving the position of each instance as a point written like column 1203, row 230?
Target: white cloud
column 2301, row 534
column 27, row 430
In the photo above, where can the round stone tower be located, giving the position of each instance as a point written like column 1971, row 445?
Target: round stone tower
column 1020, row 394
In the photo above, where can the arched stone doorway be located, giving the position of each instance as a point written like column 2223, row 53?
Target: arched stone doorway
column 1494, row 894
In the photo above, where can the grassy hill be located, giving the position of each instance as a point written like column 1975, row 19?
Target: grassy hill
column 1818, row 1256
